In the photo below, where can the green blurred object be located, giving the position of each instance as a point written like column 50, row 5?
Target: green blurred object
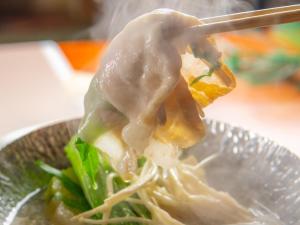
column 288, row 32
column 281, row 63
column 266, row 68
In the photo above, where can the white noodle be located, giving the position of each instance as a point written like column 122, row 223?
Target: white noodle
column 203, row 163
column 106, row 215
column 109, row 184
column 146, row 176
column 166, row 197
column 161, row 216
column 135, row 201
column 110, row 191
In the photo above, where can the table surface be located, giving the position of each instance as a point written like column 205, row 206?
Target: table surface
column 38, row 85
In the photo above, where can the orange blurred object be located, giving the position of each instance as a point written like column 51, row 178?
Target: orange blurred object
column 84, row 55
column 260, row 43
column 279, row 93
column 252, row 42
column 209, row 87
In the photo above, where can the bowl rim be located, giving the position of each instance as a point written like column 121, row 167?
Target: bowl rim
column 14, row 136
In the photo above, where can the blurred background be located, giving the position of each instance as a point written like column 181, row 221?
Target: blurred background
column 50, row 49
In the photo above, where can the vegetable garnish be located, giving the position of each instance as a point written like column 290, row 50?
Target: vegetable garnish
column 209, row 74
column 71, row 186
column 211, row 59
column 64, row 188
column 96, row 180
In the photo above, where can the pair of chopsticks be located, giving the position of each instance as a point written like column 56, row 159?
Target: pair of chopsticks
column 245, row 20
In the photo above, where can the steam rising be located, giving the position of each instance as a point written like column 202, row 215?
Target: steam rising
column 115, row 14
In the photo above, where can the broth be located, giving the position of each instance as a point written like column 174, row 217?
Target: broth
column 32, row 213
column 35, row 212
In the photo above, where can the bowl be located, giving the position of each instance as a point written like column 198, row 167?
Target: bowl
column 253, row 169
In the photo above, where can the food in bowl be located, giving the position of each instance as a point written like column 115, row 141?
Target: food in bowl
column 142, row 110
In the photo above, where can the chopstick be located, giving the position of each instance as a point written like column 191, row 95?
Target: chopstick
column 245, row 20
column 250, row 13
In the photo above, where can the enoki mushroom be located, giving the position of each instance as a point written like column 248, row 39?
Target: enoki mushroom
column 161, row 189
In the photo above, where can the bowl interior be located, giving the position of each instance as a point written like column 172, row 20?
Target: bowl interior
column 253, row 169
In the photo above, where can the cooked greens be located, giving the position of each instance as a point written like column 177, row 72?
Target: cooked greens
column 95, row 192
column 85, row 161
column 83, row 186
column 209, row 57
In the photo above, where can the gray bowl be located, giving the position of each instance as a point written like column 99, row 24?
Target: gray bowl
column 253, row 169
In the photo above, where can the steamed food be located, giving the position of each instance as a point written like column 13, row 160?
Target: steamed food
column 143, row 108
column 142, row 87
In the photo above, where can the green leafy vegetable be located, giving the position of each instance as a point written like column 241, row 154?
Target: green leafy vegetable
column 92, row 167
column 210, row 72
column 57, row 192
column 69, row 184
column 63, row 188
column 207, row 56
column 90, row 160
column 141, row 161
column 80, row 204
column 83, row 186
column 85, row 160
